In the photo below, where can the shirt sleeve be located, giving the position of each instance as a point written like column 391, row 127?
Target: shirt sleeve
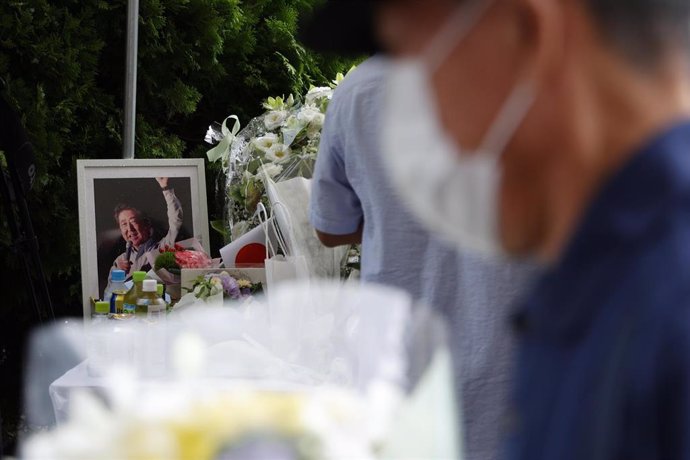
column 174, row 217
column 335, row 207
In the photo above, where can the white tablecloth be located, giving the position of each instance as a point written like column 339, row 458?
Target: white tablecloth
column 77, row 378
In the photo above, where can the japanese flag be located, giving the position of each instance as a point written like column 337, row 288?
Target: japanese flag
column 249, row 249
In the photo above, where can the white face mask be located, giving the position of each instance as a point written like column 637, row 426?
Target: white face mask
column 453, row 191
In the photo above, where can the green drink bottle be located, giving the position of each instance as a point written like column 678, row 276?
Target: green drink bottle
column 129, row 304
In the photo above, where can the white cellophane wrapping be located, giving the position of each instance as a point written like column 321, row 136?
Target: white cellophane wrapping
column 322, row 371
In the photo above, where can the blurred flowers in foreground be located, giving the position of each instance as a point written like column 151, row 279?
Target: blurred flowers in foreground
column 319, row 371
column 183, row 423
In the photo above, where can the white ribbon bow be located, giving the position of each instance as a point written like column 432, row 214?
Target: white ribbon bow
column 222, row 150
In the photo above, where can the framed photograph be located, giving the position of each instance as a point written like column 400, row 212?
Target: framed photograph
column 128, row 208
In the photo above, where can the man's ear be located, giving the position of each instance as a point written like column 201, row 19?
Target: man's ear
column 542, row 31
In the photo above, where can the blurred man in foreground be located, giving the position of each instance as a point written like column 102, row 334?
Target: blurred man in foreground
column 559, row 130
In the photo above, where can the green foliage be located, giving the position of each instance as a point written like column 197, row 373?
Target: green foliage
column 166, row 260
column 62, row 67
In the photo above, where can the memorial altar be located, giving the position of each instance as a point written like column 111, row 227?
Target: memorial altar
column 272, row 350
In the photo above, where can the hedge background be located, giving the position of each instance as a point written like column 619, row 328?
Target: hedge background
column 62, row 67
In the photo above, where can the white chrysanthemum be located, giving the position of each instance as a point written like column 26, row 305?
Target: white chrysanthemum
column 278, row 152
column 318, row 120
column 318, row 93
column 313, row 131
column 308, row 113
column 318, row 89
column 314, row 128
column 274, row 119
column 264, row 143
column 271, row 169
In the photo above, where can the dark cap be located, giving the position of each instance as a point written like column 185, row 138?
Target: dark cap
column 345, row 27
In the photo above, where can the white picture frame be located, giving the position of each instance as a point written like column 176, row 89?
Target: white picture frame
column 105, row 185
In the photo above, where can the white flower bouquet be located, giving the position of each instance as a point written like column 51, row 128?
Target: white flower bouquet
column 280, row 144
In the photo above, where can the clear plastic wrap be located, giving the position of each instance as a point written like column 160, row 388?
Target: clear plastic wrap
column 351, row 372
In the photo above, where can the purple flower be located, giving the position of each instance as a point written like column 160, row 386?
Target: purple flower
column 230, row 286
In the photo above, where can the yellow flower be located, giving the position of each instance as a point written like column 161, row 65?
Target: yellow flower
column 244, row 284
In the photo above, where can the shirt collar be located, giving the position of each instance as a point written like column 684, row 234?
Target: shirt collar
column 143, row 248
column 647, row 186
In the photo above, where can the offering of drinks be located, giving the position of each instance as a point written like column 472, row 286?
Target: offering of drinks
column 97, row 339
column 161, row 293
column 129, row 304
column 151, row 309
column 102, row 309
column 115, row 291
column 149, row 302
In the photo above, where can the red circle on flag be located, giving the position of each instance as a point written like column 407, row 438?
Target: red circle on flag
column 252, row 253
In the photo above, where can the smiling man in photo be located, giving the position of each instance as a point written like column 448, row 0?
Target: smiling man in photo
column 138, row 232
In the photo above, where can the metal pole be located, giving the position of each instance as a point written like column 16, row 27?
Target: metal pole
column 131, row 79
